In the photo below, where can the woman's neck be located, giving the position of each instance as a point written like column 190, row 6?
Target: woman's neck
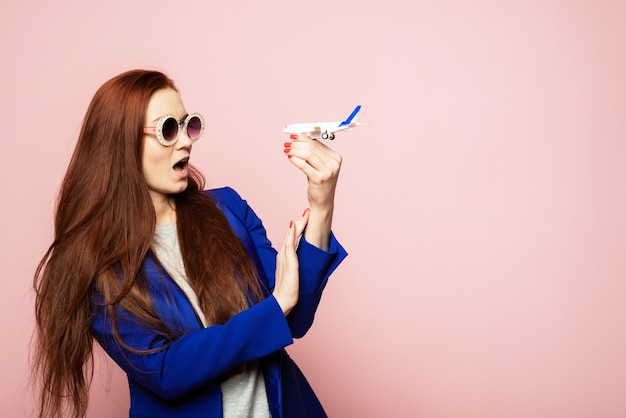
column 164, row 208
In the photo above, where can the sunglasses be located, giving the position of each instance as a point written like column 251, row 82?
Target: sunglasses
column 167, row 129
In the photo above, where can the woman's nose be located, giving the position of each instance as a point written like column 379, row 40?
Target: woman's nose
column 183, row 140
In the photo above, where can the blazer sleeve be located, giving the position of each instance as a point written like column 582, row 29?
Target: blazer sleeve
column 315, row 264
column 199, row 357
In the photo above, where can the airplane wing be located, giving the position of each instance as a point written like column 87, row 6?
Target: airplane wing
column 314, row 131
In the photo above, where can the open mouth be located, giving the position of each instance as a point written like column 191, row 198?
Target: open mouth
column 181, row 165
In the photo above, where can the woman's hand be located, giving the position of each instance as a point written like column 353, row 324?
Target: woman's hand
column 287, row 283
column 321, row 165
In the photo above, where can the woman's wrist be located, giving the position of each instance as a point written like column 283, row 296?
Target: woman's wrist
column 318, row 229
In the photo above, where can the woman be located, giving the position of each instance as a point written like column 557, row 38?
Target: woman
column 180, row 287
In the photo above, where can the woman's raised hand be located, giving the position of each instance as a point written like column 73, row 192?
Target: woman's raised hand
column 287, row 277
column 321, row 166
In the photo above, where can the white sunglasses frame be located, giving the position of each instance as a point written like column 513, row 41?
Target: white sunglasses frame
column 182, row 125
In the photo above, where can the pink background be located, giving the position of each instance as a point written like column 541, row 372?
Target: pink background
column 483, row 207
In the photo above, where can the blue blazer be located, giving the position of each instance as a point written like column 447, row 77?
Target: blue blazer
column 181, row 380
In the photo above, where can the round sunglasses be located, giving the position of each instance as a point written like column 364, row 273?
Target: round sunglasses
column 167, row 129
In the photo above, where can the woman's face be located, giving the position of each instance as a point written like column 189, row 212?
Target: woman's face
column 165, row 168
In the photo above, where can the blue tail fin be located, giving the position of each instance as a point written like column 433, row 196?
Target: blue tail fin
column 352, row 115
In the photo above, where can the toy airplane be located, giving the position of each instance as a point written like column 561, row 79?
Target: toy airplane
column 324, row 130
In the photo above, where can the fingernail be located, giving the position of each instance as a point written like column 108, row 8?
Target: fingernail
column 305, row 211
column 286, row 150
column 287, row 144
column 290, row 224
column 293, row 136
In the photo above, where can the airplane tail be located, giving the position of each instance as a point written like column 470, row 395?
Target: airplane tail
column 352, row 116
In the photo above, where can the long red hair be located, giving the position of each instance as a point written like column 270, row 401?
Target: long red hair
column 104, row 225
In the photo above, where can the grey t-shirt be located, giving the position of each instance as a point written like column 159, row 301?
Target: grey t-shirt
column 243, row 394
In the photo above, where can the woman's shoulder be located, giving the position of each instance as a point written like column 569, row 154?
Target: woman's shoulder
column 223, row 193
column 226, row 196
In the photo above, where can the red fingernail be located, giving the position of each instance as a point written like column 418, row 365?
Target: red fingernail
column 290, row 224
column 286, row 150
column 305, row 211
column 293, row 136
column 287, row 144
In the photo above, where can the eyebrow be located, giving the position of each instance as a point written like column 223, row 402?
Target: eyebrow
column 179, row 120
